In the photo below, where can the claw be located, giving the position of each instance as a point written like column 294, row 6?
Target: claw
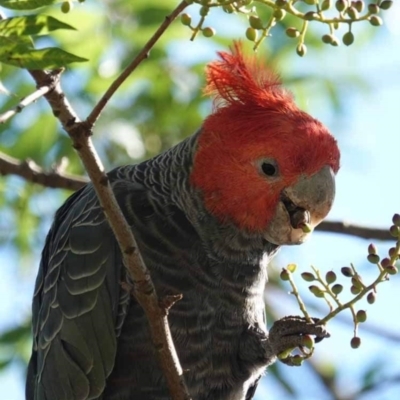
column 287, row 334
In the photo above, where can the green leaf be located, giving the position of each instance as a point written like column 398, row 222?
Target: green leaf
column 12, row 44
column 15, row 334
column 48, row 58
column 31, row 25
column 25, row 4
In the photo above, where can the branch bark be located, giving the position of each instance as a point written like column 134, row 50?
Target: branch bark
column 25, row 102
column 346, row 228
column 32, row 172
column 143, row 288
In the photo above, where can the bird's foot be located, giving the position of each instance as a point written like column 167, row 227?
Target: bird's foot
column 290, row 332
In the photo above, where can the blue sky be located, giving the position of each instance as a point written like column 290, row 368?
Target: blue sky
column 368, row 193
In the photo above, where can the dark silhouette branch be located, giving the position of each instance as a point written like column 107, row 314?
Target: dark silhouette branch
column 30, row 171
column 346, row 228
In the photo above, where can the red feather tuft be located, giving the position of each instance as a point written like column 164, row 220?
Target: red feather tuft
column 236, row 81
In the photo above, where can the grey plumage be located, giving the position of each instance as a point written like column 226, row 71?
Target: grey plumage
column 91, row 339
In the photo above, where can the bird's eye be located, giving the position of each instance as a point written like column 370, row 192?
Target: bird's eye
column 269, row 169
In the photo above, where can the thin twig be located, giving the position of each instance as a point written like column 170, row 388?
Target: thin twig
column 24, row 102
column 30, row 171
column 143, row 54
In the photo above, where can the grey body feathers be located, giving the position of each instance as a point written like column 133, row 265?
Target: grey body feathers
column 91, row 339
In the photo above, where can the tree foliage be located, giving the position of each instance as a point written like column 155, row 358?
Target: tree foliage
column 155, row 108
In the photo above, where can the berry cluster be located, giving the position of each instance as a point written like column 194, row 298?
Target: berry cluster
column 345, row 12
column 327, row 288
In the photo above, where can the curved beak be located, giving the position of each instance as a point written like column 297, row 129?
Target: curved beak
column 302, row 207
column 310, row 199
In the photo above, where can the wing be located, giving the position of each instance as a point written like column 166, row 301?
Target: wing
column 78, row 306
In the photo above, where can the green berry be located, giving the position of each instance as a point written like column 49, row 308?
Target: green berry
column 316, row 291
column 391, row 270
column 204, row 11
column 279, row 14
column 373, row 258
column 308, row 16
column 396, row 219
column 361, row 316
column 229, row 9
column 308, row 341
column 337, row 289
column 311, row 2
column 285, row 274
column 330, row 277
column 292, row 32
column 327, row 39
column 386, row 262
column 372, row 249
column 255, row 22
column 359, row 6
column 375, row 20
column 348, row 38
column 251, row 34
column 394, row 253
column 297, row 360
column 208, row 32
column 355, row 342
column 373, row 8
column 308, row 276
column 186, row 19
column 281, row 3
column 371, row 297
column 301, row 49
column 341, row 5
column 352, row 13
column 395, row 230
column 355, row 290
column 66, row 7
column 326, row 5
column 385, row 5
column 347, row 272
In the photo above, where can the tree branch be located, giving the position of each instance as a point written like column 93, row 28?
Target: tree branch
column 144, row 53
column 143, row 288
column 25, row 102
column 346, row 228
column 30, row 171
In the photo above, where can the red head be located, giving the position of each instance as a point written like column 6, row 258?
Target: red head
column 257, row 145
